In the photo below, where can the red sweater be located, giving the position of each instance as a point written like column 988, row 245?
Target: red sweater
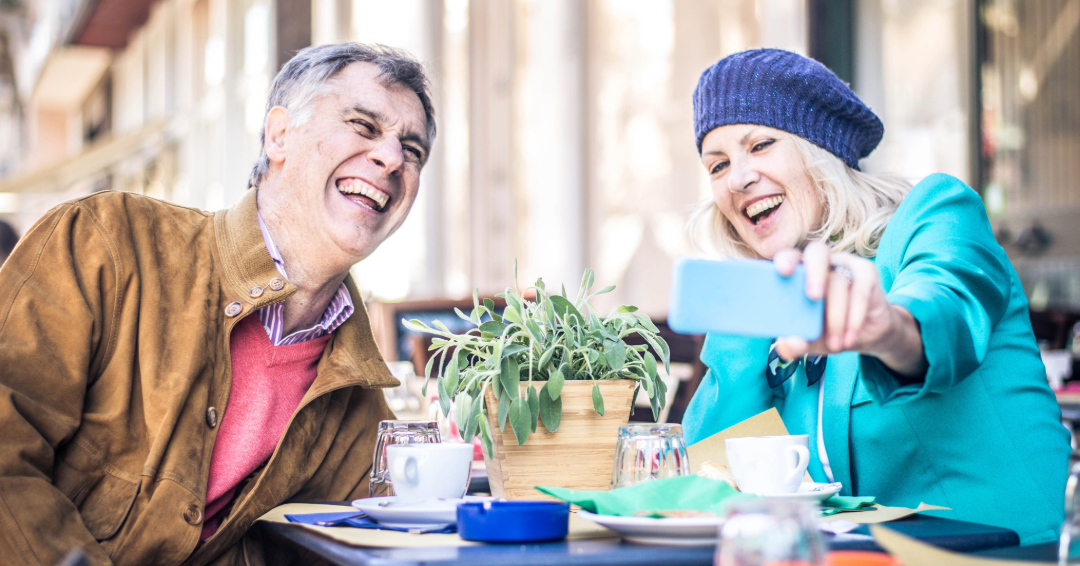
column 268, row 383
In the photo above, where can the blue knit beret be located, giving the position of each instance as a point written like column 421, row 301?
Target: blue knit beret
column 789, row 92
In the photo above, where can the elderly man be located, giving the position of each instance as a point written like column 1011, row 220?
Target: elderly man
column 168, row 375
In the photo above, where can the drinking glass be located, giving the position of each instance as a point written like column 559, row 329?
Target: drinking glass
column 397, row 432
column 646, row 452
column 1069, row 546
column 770, row 532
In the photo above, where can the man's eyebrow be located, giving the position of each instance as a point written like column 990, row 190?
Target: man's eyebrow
column 380, row 119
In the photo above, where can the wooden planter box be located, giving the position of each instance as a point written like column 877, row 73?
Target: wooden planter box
column 579, row 456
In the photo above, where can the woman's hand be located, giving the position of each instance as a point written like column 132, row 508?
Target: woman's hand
column 857, row 315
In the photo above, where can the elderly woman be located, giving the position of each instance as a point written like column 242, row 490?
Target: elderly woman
column 926, row 384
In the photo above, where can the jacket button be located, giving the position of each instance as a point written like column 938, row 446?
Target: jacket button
column 255, row 292
column 211, row 417
column 277, row 284
column 193, row 514
column 233, row 309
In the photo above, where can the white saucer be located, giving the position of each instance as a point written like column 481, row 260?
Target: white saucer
column 666, row 531
column 810, row 491
column 435, row 514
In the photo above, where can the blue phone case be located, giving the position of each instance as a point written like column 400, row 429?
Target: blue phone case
column 743, row 298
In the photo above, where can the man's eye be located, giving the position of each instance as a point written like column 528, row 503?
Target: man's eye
column 718, row 167
column 415, row 153
column 363, row 126
column 762, row 145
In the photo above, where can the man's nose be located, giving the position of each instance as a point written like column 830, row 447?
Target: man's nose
column 388, row 154
column 741, row 176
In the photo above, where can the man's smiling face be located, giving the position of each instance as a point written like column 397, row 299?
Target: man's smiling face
column 351, row 172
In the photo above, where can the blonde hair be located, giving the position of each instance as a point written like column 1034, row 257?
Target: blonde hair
column 857, row 208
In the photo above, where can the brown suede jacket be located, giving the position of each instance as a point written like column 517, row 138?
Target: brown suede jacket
column 114, row 377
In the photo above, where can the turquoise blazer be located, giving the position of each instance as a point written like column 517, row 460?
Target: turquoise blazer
column 981, row 435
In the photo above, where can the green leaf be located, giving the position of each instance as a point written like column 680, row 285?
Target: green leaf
column 546, row 357
column 416, row 326
column 534, row 407
column 453, row 373
column 504, row 410
column 510, row 375
column 534, row 330
column 462, row 315
column 493, row 327
column 565, row 309
column 462, row 412
column 476, row 415
column 597, row 400
column 513, row 349
column 519, row 419
column 511, row 314
column 607, row 289
column 554, row 384
column 439, row 324
column 627, row 308
column 489, row 305
column 485, row 436
column 587, row 280
column 444, row 398
column 550, row 410
column 633, row 402
column 655, row 403
column 650, row 364
column 615, row 353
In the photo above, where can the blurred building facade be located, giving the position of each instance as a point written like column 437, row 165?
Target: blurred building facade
column 565, row 133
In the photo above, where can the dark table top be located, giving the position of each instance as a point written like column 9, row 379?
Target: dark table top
column 946, row 533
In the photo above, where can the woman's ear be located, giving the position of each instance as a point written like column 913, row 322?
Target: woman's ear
column 277, row 125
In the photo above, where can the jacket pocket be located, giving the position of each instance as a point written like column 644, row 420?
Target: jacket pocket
column 861, row 394
column 104, row 500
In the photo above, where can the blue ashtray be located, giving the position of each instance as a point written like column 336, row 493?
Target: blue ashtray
column 513, row 521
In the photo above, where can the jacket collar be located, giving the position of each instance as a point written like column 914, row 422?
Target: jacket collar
column 351, row 356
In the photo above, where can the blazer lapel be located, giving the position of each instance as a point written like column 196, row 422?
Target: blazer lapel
column 839, row 382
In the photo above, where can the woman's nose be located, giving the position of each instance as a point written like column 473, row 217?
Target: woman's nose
column 741, row 177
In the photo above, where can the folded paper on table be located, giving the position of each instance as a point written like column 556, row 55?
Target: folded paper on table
column 713, row 449
column 840, row 503
column 684, row 493
column 360, row 521
column 881, row 514
column 579, row 529
column 912, row 552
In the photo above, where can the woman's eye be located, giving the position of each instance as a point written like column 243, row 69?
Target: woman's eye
column 718, row 167
column 762, row 145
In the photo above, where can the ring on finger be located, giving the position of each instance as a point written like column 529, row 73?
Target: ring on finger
column 841, row 270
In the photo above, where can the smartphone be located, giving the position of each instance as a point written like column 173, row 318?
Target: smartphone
column 742, row 297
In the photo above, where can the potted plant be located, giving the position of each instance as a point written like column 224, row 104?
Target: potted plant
column 549, row 363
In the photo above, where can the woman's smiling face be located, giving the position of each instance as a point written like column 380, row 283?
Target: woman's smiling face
column 761, row 185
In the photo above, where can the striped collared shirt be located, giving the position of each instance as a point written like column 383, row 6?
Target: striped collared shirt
column 273, row 316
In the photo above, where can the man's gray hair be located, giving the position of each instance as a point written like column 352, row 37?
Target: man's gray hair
column 303, row 80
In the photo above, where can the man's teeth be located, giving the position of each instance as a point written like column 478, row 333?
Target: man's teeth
column 363, row 189
column 761, row 206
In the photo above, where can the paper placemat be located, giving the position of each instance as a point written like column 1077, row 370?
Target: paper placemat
column 914, row 553
column 374, row 538
column 880, row 514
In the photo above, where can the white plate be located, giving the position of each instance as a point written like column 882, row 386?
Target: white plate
column 667, row 531
column 809, row 491
column 440, row 513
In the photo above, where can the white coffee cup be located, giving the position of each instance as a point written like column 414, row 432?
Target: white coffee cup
column 768, row 465
column 423, row 472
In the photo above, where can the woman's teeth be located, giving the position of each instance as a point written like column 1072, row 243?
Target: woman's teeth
column 363, row 189
column 762, row 206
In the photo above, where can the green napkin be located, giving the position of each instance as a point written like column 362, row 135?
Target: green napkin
column 682, row 493
column 839, row 503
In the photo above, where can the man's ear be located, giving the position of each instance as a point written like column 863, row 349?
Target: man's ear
column 277, row 124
